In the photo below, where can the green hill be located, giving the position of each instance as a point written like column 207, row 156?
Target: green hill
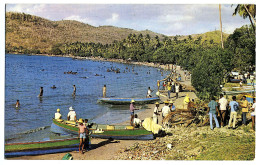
column 38, row 35
column 208, row 36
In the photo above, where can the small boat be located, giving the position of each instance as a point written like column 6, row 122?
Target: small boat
column 41, row 147
column 120, row 101
column 103, row 131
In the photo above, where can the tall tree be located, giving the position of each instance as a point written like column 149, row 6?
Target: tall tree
column 221, row 34
column 247, row 10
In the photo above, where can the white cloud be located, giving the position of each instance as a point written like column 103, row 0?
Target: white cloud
column 80, row 19
column 114, row 19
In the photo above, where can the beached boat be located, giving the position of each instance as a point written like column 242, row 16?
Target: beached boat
column 118, row 132
column 41, row 147
column 120, row 101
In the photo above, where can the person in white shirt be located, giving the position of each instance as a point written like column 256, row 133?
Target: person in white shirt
column 156, row 113
column 253, row 114
column 57, row 114
column 223, row 103
column 177, row 90
column 137, row 122
column 71, row 115
column 165, row 110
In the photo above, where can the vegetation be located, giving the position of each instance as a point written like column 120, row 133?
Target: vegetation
column 202, row 54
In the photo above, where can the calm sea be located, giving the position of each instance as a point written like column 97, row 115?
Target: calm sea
column 24, row 75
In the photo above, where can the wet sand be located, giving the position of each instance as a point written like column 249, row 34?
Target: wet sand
column 103, row 149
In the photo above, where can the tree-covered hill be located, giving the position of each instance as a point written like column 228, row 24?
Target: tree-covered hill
column 27, row 33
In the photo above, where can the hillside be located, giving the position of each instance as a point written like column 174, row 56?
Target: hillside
column 34, row 34
column 208, row 36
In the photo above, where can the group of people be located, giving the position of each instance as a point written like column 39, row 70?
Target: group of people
column 221, row 109
column 82, row 125
column 166, row 109
column 54, row 87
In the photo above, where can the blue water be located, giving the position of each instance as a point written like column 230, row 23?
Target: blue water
column 24, row 75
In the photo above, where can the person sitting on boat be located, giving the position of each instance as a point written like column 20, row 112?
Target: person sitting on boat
column 132, row 111
column 172, row 107
column 58, row 114
column 156, row 113
column 82, row 135
column 149, row 93
column 71, row 115
column 137, row 122
column 165, row 110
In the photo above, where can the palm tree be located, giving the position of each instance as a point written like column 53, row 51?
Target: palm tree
column 247, row 10
column 222, row 45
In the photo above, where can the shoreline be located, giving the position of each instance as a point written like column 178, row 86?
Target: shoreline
column 150, row 64
column 107, row 150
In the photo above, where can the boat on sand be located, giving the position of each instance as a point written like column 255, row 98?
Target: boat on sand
column 41, row 147
column 103, row 131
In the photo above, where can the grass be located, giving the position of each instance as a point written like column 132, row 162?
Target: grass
column 228, row 148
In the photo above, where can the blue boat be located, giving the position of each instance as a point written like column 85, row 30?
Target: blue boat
column 123, row 101
column 41, row 147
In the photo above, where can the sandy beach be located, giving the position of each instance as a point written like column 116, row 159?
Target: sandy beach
column 103, row 149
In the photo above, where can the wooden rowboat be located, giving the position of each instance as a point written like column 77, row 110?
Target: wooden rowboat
column 41, row 147
column 120, row 101
column 118, row 132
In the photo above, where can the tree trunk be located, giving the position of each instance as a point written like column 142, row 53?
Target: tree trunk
column 222, row 45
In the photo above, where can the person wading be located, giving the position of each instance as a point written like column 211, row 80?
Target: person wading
column 41, row 92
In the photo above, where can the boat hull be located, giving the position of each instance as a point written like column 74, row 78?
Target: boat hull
column 124, row 101
column 40, row 148
column 118, row 133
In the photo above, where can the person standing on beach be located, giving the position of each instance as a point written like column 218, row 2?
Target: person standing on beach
column 233, row 105
column 104, row 91
column 132, row 111
column 165, row 110
column 74, row 91
column 223, row 108
column 253, row 114
column 17, row 104
column 213, row 109
column 169, row 88
column 82, row 135
column 156, row 113
column 58, row 114
column 244, row 106
column 72, row 115
column 177, row 89
column 41, row 92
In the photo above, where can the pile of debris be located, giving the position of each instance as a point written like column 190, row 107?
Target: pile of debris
column 196, row 114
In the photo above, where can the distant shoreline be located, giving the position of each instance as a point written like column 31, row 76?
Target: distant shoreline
column 151, row 64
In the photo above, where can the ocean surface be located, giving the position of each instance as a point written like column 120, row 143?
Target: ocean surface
column 25, row 74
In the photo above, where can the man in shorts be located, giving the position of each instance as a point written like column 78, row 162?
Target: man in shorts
column 82, row 135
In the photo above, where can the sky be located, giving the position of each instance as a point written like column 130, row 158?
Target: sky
column 167, row 19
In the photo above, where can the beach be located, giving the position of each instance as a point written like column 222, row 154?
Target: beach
column 104, row 149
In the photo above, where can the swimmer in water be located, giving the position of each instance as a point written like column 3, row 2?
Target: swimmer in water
column 17, row 105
